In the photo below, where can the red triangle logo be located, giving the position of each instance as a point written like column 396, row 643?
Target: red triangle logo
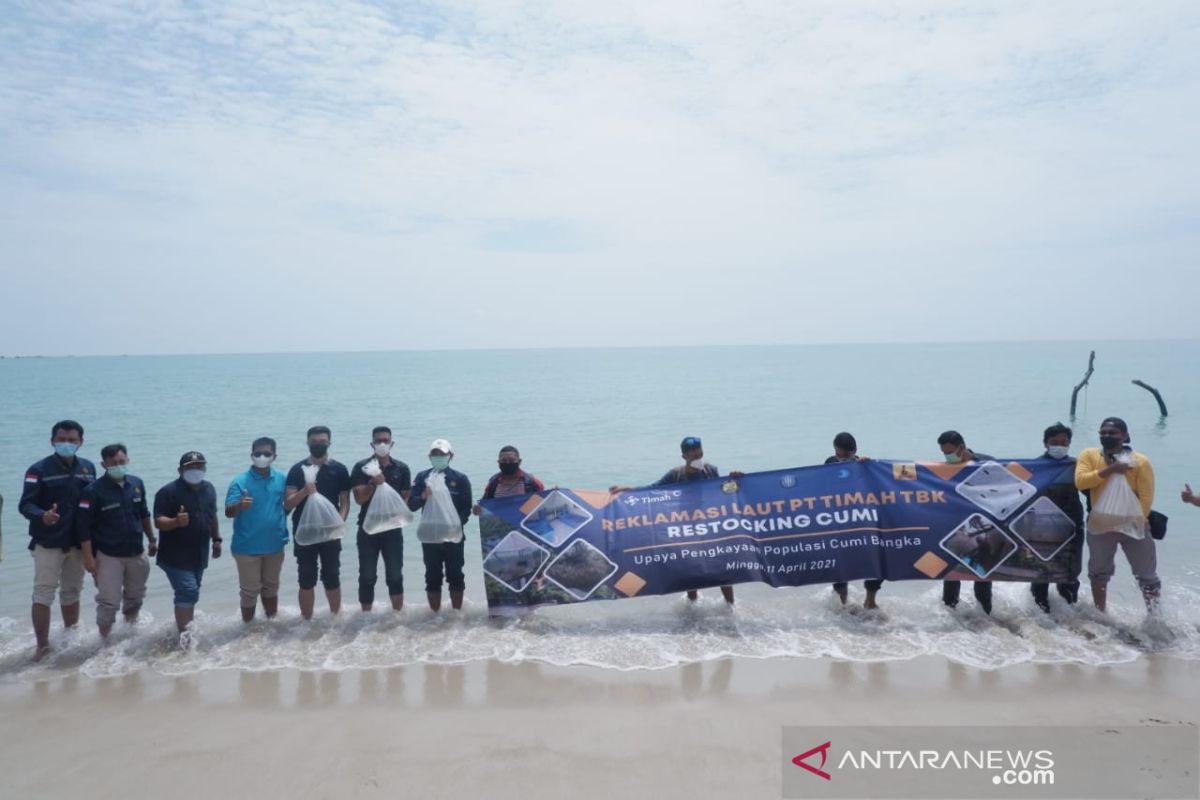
column 823, row 749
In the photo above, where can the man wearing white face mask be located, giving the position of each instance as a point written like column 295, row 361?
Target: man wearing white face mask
column 255, row 504
column 185, row 513
column 443, row 560
column 388, row 543
column 955, row 451
column 695, row 468
column 1057, row 440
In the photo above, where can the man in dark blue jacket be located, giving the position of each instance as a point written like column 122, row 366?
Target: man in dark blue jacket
column 1057, row 441
column 49, row 500
column 443, row 557
column 113, row 517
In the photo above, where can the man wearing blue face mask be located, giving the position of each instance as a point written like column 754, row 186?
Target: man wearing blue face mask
column 955, row 451
column 49, row 500
column 112, row 521
column 185, row 512
column 1062, row 492
column 443, row 557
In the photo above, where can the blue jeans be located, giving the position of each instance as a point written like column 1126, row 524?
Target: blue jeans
column 185, row 582
column 370, row 546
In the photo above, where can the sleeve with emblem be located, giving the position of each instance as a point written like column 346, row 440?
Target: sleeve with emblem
column 28, row 506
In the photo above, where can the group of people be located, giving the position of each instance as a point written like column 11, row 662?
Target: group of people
column 102, row 522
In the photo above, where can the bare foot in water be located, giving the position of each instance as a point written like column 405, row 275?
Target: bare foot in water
column 40, row 653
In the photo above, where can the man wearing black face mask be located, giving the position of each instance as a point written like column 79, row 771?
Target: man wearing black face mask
column 324, row 559
column 511, row 480
column 1111, row 468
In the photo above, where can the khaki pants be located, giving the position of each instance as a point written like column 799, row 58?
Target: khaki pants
column 120, row 586
column 55, row 570
column 258, row 576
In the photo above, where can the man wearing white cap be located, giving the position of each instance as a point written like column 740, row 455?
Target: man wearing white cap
column 443, row 558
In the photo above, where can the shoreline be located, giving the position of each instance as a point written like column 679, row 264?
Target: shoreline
column 709, row 728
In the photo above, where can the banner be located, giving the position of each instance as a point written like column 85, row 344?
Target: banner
column 820, row 524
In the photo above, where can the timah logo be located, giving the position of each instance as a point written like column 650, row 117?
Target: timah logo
column 823, row 749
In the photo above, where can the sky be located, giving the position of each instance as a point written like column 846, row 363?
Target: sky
column 181, row 177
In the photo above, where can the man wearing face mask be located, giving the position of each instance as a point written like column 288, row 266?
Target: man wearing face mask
column 443, row 557
column 49, row 499
column 185, row 513
column 845, row 450
column 955, row 451
column 389, row 544
column 694, row 468
column 1095, row 472
column 111, row 520
column 1062, row 492
column 321, row 560
column 255, row 504
column 511, row 480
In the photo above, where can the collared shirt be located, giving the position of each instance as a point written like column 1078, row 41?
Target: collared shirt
column 460, row 492
column 332, row 480
column 49, row 482
column 187, row 547
column 110, row 516
column 260, row 529
column 396, row 474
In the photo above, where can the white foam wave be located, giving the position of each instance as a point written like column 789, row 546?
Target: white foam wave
column 645, row 634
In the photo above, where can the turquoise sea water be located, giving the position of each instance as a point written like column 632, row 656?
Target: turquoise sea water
column 591, row 418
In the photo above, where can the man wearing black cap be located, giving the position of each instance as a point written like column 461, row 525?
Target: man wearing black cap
column 1114, row 467
column 185, row 513
column 694, row 468
column 845, row 449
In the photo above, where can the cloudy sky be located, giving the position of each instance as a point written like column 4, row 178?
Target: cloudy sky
column 262, row 176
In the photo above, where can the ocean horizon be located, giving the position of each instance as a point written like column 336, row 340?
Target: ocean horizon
column 589, row 418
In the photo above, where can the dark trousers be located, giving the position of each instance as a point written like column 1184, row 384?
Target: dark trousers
column 389, row 544
column 329, row 556
column 1041, row 593
column 447, row 558
column 870, row 584
column 983, row 593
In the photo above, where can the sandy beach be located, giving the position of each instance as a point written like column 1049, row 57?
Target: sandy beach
column 522, row 730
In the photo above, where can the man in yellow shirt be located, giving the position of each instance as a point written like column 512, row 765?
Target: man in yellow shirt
column 1095, row 471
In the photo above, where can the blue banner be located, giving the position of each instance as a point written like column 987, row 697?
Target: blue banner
column 838, row 522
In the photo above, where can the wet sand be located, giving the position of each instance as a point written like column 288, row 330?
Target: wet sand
column 708, row 729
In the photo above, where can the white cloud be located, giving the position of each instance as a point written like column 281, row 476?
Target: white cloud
column 779, row 166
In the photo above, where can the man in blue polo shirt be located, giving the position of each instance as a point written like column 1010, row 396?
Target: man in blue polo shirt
column 111, row 521
column 185, row 513
column 49, row 499
column 443, row 557
column 255, row 504
column 321, row 560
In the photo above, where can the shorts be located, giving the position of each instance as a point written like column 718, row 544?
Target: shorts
column 323, row 560
column 185, row 582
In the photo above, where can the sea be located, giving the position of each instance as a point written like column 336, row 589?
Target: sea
column 590, row 418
